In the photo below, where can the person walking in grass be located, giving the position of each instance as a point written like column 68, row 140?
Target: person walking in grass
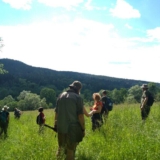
column 104, row 111
column 69, row 121
column 41, row 119
column 4, row 121
column 145, row 108
column 17, row 113
column 97, row 107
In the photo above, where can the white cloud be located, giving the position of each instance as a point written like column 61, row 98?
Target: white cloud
column 68, row 4
column 128, row 26
column 19, row 4
column 154, row 33
column 89, row 6
column 82, row 46
column 124, row 10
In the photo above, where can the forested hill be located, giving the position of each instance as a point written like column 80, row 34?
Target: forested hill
column 24, row 77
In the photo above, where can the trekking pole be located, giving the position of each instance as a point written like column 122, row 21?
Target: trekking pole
column 54, row 129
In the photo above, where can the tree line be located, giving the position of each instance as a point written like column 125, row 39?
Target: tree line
column 27, row 100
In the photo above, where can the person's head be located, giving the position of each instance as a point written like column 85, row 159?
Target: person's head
column 96, row 97
column 5, row 108
column 144, row 86
column 40, row 109
column 104, row 92
column 76, row 86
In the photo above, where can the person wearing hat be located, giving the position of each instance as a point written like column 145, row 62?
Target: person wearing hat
column 17, row 113
column 69, row 121
column 145, row 108
column 4, row 120
column 41, row 119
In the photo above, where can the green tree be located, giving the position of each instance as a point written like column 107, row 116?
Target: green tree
column 23, row 94
column 134, row 94
column 12, row 105
column 117, row 96
column 153, row 88
column 8, row 99
column 87, row 95
column 123, row 93
column 30, row 101
column 2, row 70
column 49, row 94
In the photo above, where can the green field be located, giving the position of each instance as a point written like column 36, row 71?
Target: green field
column 123, row 137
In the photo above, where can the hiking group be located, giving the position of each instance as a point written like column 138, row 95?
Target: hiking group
column 69, row 121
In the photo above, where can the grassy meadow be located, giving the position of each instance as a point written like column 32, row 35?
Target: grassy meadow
column 123, row 137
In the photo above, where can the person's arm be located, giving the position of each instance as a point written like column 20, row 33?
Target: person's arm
column 86, row 113
column 144, row 102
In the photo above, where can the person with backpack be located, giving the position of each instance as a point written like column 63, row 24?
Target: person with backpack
column 107, row 105
column 69, row 121
column 17, row 113
column 40, row 119
column 97, row 107
column 146, row 102
column 4, row 120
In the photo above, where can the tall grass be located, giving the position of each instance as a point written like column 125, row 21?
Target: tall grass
column 123, row 137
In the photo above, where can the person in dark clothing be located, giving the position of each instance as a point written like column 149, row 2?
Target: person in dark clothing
column 145, row 108
column 105, row 111
column 4, row 121
column 69, row 121
column 41, row 119
column 17, row 113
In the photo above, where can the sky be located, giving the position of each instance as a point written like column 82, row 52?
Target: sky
column 115, row 38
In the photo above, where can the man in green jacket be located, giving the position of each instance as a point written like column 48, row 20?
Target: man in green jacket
column 69, row 121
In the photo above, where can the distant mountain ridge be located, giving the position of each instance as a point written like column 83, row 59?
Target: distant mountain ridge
column 22, row 76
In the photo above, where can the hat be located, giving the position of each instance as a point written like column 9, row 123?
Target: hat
column 5, row 107
column 145, row 86
column 76, row 85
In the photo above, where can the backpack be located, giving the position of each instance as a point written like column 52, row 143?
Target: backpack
column 150, row 99
column 3, row 117
column 107, row 104
column 39, row 119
